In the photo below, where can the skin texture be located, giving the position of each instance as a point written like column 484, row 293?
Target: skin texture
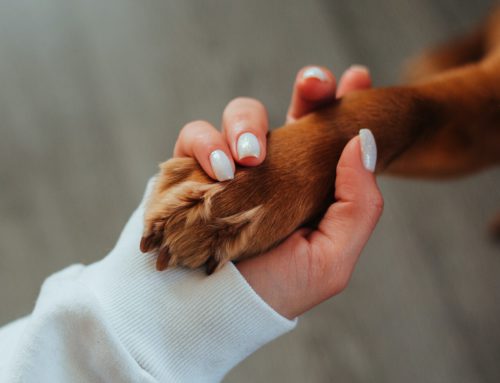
column 444, row 124
column 285, row 277
column 312, row 266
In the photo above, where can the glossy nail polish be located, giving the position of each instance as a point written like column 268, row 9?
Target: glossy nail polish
column 221, row 165
column 368, row 149
column 315, row 72
column 248, row 146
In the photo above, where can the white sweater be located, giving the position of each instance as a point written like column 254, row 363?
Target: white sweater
column 120, row 320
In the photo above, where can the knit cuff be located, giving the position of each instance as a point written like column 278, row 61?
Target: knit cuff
column 180, row 325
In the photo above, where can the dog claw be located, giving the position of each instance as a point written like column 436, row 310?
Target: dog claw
column 211, row 265
column 163, row 259
column 147, row 243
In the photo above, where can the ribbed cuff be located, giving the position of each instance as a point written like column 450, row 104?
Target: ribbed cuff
column 180, row 325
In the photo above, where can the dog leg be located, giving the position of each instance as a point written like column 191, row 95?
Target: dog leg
column 427, row 130
column 447, row 125
column 461, row 51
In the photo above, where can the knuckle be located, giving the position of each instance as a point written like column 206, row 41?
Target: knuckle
column 256, row 104
column 195, row 134
column 245, row 114
column 235, row 102
column 243, row 107
column 340, row 280
column 199, row 140
column 373, row 209
column 194, row 125
column 247, row 101
column 341, row 284
column 376, row 204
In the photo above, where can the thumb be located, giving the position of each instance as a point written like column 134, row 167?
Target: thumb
column 299, row 274
column 349, row 222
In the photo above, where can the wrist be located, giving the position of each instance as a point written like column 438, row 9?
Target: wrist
column 268, row 276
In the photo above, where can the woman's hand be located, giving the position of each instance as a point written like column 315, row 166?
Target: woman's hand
column 310, row 266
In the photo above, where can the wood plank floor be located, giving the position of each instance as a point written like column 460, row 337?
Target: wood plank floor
column 93, row 93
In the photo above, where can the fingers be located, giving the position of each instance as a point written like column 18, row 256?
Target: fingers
column 349, row 222
column 308, row 268
column 206, row 144
column 357, row 77
column 243, row 138
column 245, row 126
column 314, row 87
column 245, row 122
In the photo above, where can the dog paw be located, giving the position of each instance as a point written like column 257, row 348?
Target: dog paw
column 191, row 220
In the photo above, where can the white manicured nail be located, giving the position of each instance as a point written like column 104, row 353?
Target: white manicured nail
column 248, row 146
column 221, row 165
column 368, row 149
column 316, row 73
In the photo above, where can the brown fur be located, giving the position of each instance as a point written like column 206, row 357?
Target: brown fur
column 445, row 123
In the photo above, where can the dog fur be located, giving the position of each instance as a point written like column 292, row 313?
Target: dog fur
column 444, row 123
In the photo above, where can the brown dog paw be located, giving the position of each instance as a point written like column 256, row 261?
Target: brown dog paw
column 183, row 226
column 192, row 220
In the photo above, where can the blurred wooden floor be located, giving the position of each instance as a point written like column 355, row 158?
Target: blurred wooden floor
column 93, row 93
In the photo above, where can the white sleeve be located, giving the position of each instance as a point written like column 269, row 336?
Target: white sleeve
column 120, row 320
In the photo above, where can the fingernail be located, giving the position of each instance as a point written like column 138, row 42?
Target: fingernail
column 248, row 146
column 368, row 149
column 221, row 165
column 359, row 68
column 315, row 72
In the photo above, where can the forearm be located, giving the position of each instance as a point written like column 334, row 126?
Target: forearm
column 121, row 320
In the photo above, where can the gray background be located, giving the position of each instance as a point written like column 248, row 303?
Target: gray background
column 93, row 93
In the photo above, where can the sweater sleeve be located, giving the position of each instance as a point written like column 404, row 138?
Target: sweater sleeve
column 120, row 320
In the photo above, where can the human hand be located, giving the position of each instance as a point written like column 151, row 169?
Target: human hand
column 310, row 266
column 242, row 138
